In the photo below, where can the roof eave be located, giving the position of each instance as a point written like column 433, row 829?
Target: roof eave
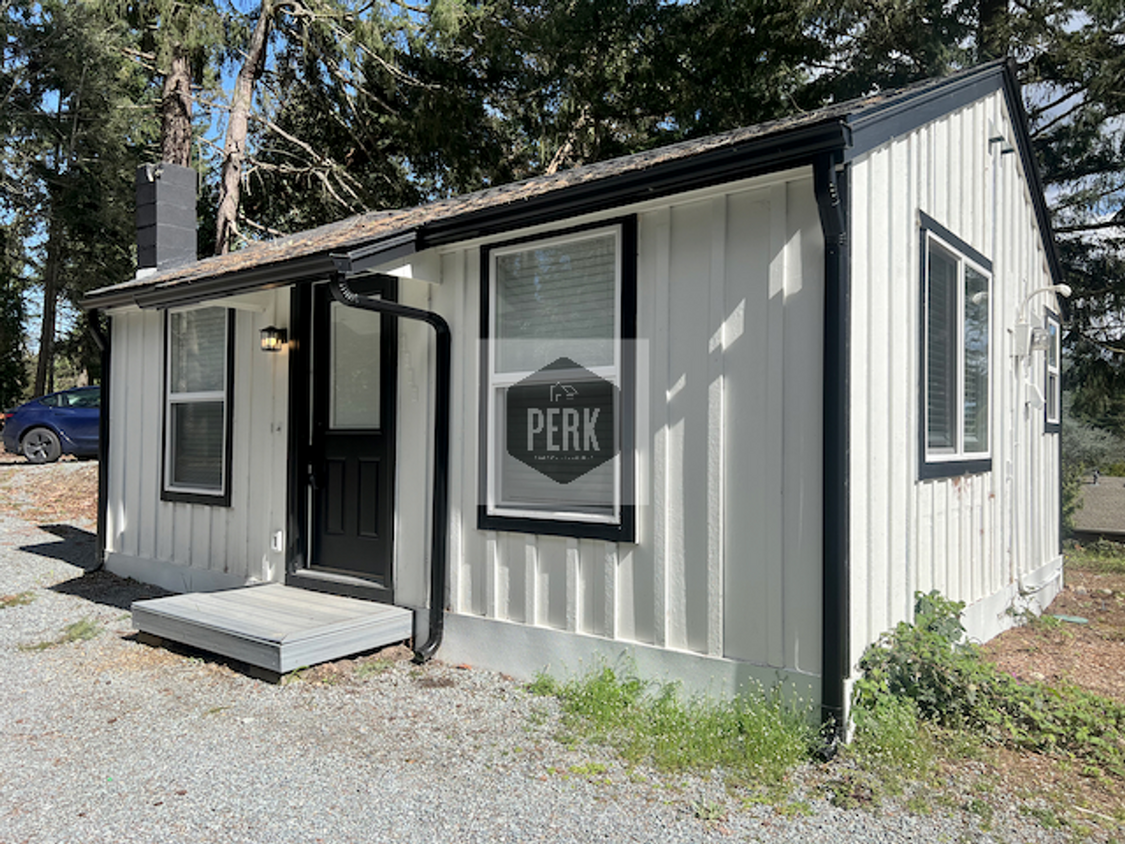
column 754, row 156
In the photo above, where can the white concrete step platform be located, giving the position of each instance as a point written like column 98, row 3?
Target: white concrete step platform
column 273, row 627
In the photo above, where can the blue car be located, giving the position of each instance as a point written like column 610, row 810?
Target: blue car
column 60, row 423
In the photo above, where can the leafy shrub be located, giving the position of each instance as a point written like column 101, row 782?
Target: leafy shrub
column 929, row 663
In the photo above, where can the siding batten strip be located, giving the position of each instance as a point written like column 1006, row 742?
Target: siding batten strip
column 610, row 622
column 573, row 586
column 532, row 613
column 775, row 425
column 660, row 376
column 715, row 415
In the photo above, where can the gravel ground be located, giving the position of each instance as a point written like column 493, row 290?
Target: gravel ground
column 111, row 740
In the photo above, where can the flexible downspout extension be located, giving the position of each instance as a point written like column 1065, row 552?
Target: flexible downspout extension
column 102, row 342
column 830, row 187
column 440, row 511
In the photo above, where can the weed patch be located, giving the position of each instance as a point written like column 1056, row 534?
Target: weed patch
column 79, row 631
column 19, row 599
column 949, row 683
column 756, row 736
column 1101, row 557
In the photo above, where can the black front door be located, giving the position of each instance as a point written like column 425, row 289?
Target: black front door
column 352, row 444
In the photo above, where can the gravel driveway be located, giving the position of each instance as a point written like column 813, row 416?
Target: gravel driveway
column 107, row 739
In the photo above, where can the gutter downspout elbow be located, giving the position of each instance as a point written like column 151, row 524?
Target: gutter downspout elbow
column 439, row 528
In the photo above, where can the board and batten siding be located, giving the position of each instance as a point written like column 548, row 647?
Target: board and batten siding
column 727, row 558
column 947, row 534
column 181, row 546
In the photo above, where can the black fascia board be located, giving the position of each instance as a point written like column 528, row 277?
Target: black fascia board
column 878, row 124
column 178, row 293
column 756, row 156
column 1031, row 168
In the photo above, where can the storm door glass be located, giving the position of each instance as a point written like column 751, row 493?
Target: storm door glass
column 356, row 340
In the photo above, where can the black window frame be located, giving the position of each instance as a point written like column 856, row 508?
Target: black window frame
column 219, row 498
column 624, row 528
column 1052, row 426
column 932, row 464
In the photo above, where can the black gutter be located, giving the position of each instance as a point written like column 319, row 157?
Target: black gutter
column 753, row 157
column 440, row 507
column 102, row 342
column 831, row 185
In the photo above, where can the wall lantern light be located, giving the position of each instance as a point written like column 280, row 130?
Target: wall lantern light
column 273, row 338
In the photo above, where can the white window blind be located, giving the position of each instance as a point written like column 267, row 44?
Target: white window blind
column 957, row 307
column 554, row 299
column 197, row 401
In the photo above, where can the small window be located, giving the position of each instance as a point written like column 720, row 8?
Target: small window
column 956, row 362
column 557, row 451
column 1052, row 392
column 197, row 413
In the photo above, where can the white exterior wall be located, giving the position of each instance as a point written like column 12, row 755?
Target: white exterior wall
column 727, row 560
column 978, row 538
column 187, row 547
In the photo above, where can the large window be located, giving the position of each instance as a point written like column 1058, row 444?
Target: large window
column 1052, row 392
column 956, row 330
column 558, row 317
column 197, row 413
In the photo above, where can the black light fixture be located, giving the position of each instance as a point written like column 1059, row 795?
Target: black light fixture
column 273, row 338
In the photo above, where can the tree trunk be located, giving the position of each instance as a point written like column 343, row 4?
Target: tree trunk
column 45, row 368
column 175, row 111
column 234, row 150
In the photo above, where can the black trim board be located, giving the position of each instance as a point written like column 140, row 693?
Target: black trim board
column 757, row 156
column 933, row 469
column 297, row 510
column 1050, row 427
column 928, row 223
column 625, row 529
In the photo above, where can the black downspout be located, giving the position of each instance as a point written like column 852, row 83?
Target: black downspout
column 440, row 512
column 102, row 342
column 832, row 202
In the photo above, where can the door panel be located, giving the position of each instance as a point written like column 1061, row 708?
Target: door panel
column 352, row 441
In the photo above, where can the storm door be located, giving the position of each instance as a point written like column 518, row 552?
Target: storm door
column 352, row 439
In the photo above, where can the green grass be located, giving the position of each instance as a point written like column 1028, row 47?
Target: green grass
column 753, row 736
column 79, row 631
column 1100, row 557
column 19, row 599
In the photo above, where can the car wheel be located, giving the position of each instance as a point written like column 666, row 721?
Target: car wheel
column 41, row 445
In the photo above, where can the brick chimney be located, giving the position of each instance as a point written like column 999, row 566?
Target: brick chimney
column 165, row 216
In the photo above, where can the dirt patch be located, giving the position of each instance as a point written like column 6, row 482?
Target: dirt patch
column 65, row 492
column 1090, row 655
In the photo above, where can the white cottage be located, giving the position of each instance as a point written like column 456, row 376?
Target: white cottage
column 725, row 405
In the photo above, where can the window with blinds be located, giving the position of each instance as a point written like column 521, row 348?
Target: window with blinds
column 197, row 405
column 1052, row 387
column 956, row 366
column 550, row 303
